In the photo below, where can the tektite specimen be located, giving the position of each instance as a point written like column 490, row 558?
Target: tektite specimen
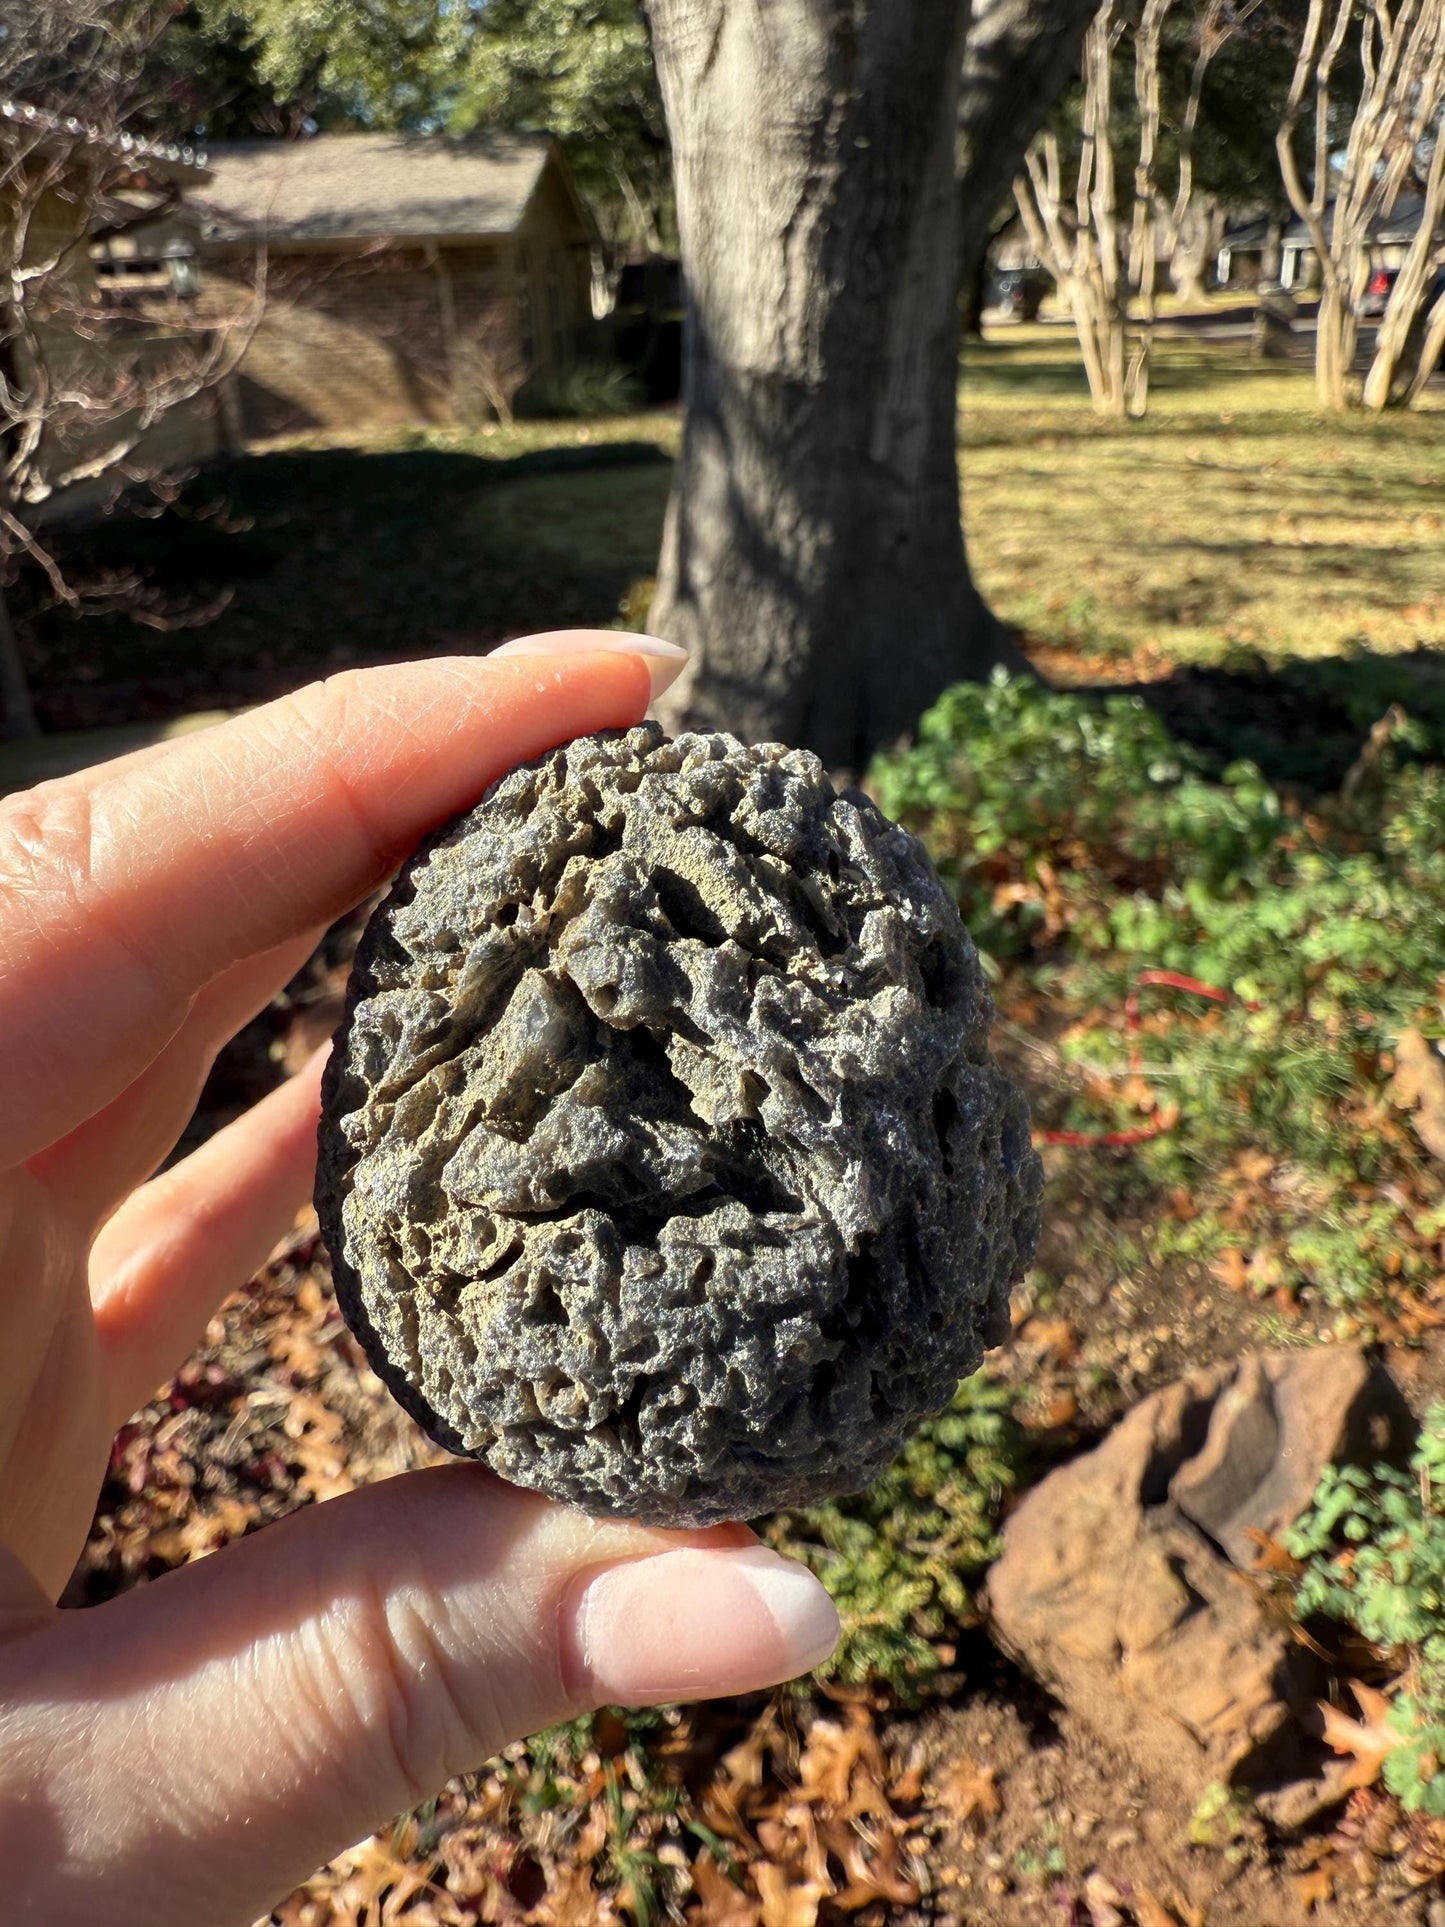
column 663, row 1162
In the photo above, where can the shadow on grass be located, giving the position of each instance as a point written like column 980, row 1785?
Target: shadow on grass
column 325, row 558
column 1303, row 722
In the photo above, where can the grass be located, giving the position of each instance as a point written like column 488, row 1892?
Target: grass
column 1233, row 516
column 334, row 555
column 1233, row 519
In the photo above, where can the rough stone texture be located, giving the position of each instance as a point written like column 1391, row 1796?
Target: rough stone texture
column 1121, row 1581
column 663, row 1162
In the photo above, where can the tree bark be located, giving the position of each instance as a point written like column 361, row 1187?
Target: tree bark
column 1018, row 56
column 813, row 559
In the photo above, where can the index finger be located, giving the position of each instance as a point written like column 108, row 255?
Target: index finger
column 122, row 896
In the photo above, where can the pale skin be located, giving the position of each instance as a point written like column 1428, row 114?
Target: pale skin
column 190, row 1751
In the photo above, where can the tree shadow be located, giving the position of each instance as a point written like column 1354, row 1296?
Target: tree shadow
column 312, row 560
column 1303, row 722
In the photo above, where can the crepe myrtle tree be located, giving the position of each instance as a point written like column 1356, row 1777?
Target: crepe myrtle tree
column 83, row 382
column 813, row 560
column 1387, row 58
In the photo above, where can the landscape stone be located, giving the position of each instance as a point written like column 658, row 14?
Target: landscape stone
column 663, row 1162
column 1134, row 1581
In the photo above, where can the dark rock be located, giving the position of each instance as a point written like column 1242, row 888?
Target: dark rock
column 663, row 1163
column 1131, row 1580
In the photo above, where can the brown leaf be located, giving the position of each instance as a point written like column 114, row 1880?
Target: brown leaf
column 722, row 1903
column 1368, row 1740
column 1270, row 1555
column 968, row 1791
column 1103, row 1900
column 571, row 1899
column 1313, row 1889
column 1055, row 1338
column 871, row 1877
column 1231, row 1269
column 1150, row 1911
column 843, row 1768
column 1418, row 1086
column 788, row 1903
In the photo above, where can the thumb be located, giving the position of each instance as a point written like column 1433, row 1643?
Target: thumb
column 194, row 1750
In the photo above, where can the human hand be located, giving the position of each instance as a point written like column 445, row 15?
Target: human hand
column 190, row 1751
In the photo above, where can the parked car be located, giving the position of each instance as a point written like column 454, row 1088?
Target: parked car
column 1376, row 297
column 1019, row 292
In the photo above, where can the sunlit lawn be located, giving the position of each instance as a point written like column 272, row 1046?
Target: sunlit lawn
column 1234, row 514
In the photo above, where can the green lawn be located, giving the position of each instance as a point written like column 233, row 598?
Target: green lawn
column 1234, row 516
column 1234, row 519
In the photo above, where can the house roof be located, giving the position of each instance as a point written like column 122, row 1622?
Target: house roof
column 371, row 186
column 1398, row 228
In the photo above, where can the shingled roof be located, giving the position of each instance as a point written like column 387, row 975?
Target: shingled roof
column 337, row 187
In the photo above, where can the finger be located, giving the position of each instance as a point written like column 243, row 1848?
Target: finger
column 102, row 1161
column 183, row 1242
column 123, row 899
column 246, row 1718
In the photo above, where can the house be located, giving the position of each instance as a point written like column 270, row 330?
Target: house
column 1248, row 250
column 407, row 277
column 101, row 373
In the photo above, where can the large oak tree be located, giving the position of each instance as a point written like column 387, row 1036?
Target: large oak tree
column 814, row 559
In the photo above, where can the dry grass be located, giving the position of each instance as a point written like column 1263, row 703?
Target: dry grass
column 1234, row 515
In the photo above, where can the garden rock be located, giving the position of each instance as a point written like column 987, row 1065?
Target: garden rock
column 663, row 1163
column 1136, row 1581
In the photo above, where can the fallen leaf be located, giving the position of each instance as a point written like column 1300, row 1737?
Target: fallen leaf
column 871, row 1877
column 1270, row 1555
column 1103, row 1900
column 1368, row 1740
column 788, row 1903
column 842, row 1768
column 1231, row 1269
column 1150, row 1911
column 1313, row 1889
column 1055, row 1338
column 571, row 1898
column 1418, row 1086
column 969, row 1791
column 722, row 1903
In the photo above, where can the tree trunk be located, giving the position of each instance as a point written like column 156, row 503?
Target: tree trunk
column 813, row 558
column 17, row 712
column 1018, row 57
column 1404, row 326
column 973, row 292
column 1432, row 345
column 1334, row 344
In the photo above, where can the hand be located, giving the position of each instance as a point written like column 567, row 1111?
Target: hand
column 189, row 1752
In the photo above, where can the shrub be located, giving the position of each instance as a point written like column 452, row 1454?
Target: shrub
column 1086, row 848
column 584, row 392
column 901, row 1559
column 1373, row 1544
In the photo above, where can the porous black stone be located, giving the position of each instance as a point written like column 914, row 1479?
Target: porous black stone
column 663, row 1162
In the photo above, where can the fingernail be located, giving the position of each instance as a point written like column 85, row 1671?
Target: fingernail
column 664, row 659
column 698, row 1624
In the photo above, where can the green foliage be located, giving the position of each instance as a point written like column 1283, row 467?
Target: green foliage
column 901, row 1558
column 587, row 391
column 1087, row 846
column 1008, row 781
column 581, row 70
column 1373, row 1544
column 381, row 63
